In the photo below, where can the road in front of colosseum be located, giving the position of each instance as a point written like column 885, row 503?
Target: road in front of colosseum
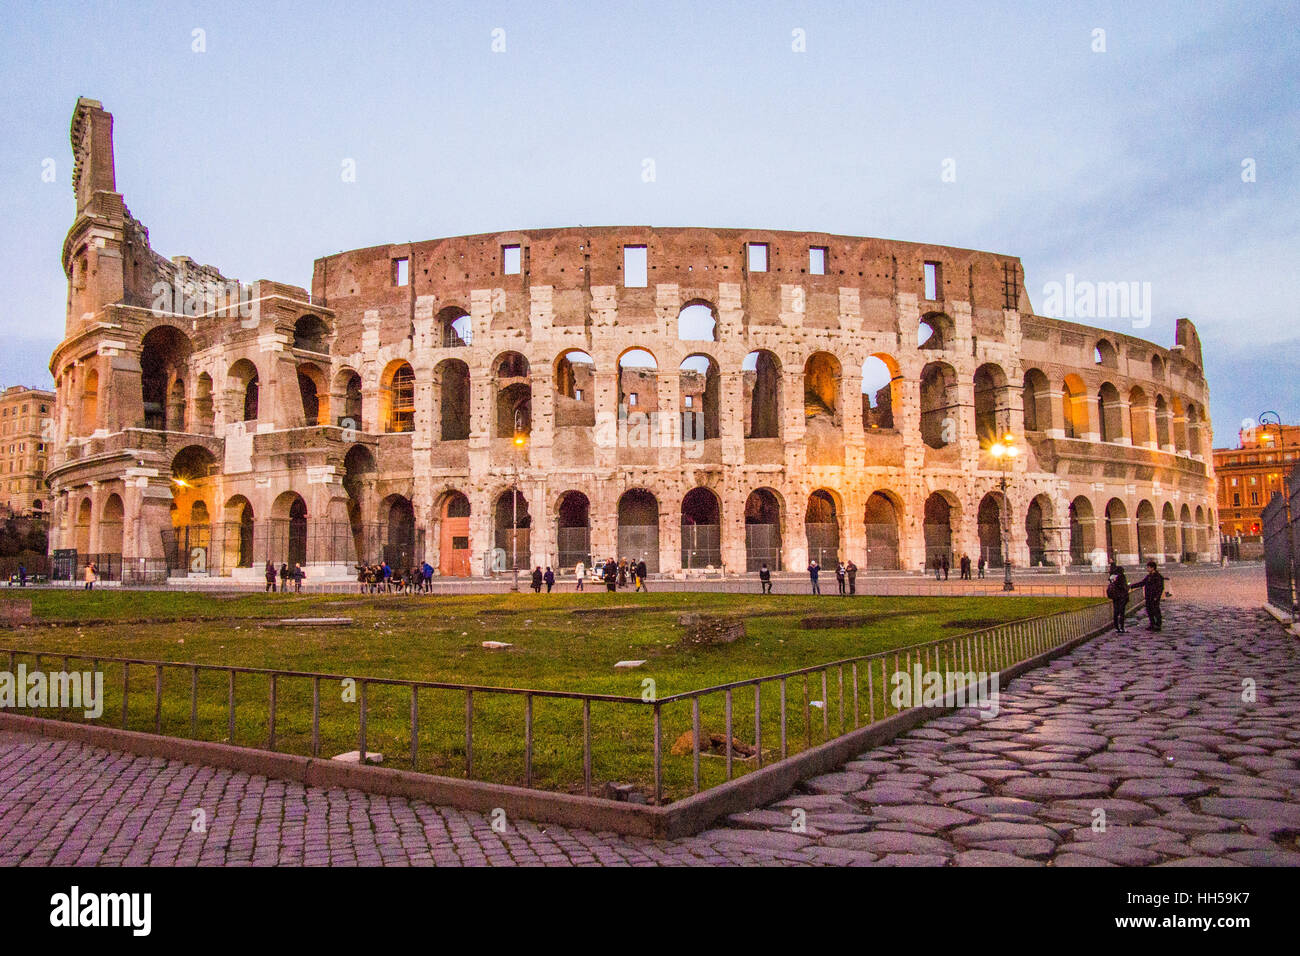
column 1150, row 728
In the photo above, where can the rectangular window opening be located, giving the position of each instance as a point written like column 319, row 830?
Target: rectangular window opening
column 511, row 261
column 757, row 256
column 635, row 272
column 817, row 261
column 932, row 281
column 401, row 271
column 631, row 400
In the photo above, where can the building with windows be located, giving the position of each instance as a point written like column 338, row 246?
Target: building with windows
column 698, row 398
column 26, row 421
column 1249, row 475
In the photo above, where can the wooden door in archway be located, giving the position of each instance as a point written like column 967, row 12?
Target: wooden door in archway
column 453, row 541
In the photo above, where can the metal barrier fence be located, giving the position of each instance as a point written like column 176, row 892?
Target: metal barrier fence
column 1281, row 533
column 661, row 744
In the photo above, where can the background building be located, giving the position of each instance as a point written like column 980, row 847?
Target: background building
column 26, row 421
column 695, row 397
column 1248, row 476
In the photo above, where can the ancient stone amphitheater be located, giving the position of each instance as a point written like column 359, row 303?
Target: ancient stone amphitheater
column 699, row 398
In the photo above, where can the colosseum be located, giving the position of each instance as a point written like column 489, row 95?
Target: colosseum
column 699, row 398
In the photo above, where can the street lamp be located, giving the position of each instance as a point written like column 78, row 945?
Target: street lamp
column 1005, row 451
column 521, row 439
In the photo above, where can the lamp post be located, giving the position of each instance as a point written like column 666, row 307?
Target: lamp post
column 1004, row 450
column 521, row 439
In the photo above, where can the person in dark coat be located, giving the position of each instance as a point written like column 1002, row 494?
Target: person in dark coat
column 284, row 578
column 537, row 579
column 938, row 568
column 298, row 575
column 765, row 578
column 840, row 576
column 611, row 575
column 641, row 572
column 813, row 570
column 851, row 570
column 549, row 578
column 270, row 576
column 983, row 564
column 965, row 567
column 943, row 563
column 1117, row 591
column 1153, row 589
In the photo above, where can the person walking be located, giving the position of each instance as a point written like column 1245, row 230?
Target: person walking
column 945, row 567
column 549, row 578
column 580, row 573
column 622, row 573
column 1153, row 589
column 270, row 575
column 284, row 578
column 537, row 579
column 851, row 570
column 22, row 575
column 765, row 578
column 611, row 575
column 964, row 565
column 426, row 571
column 938, row 568
column 839, row 577
column 1117, row 591
column 983, row 564
column 813, row 571
column 641, row 572
column 88, row 576
column 298, row 575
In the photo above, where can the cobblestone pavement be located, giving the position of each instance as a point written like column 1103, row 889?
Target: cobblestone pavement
column 1149, row 728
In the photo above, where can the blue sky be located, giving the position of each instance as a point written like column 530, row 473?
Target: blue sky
column 1122, row 165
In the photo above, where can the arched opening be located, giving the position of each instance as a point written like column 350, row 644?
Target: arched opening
column 701, row 385
column 453, row 542
column 311, row 334
column 1148, row 533
column 397, row 532
column 242, row 387
column 573, row 530
column 701, row 530
column 1187, row 534
column 762, row 374
column 990, row 404
column 358, row 483
column 1162, row 423
column 1109, row 414
column 239, row 533
column 204, row 405
column 939, row 405
column 82, row 536
column 990, row 529
column 1104, row 354
column 110, row 525
column 881, row 518
column 1117, row 530
column 638, row 382
column 397, row 398
column 348, row 384
column 1202, row 532
column 457, row 329
column 1074, row 405
column 1083, row 531
column 1170, row 521
column 822, row 528
column 1157, row 368
column 937, row 529
column 762, row 530
column 1193, row 430
column 1179, row 421
column 1037, row 399
column 514, row 396
column 1037, row 519
column 315, row 395
column 880, row 382
column 164, row 354
column 288, row 541
column 934, row 331
column 1139, row 416
column 575, row 392
column 821, row 387
column 451, row 379
column 89, row 403
column 697, row 322
column 512, row 525
column 638, row 527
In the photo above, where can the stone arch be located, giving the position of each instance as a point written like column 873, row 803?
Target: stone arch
column 288, row 538
column 452, row 398
column 111, row 523
column 1148, row 536
column 1157, row 368
column 1039, row 519
column 85, row 515
column 89, row 402
column 822, row 526
column 1118, row 541
column 941, row 514
column 762, row 374
column 763, row 530
column 935, row 331
column 1074, row 405
column 311, row 334
column 314, row 391
column 573, row 530
column 1178, row 413
column 991, row 401
column 239, row 532
column 359, row 470
column 700, row 390
column 697, row 321
column 1202, row 531
column 453, row 534
column 1170, row 521
column 242, row 387
column 513, row 528
column 397, row 397
column 1164, row 429
column 1083, row 531
column 882, row 518
column 164, row 360
column 638, row 380
column 455, row 327
column 939, row 403
column 397, row 534
column 1139, row 416
column 1110, row 417
column 1104, row 354
column 1037, row 399
column 881, row 391
column 204, row 405
column 989, row 522
column 638, row 526
column 701, row 529
column 821, row 386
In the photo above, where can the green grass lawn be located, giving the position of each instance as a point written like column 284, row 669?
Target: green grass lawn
column 561, row 642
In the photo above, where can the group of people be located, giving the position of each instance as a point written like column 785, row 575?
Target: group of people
column 615, row 573
column 846, row 573
column 285, row 575
column 1153, row 589
column 383, row 577
column 941, row 566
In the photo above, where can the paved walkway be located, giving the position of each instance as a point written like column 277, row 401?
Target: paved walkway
column 1149, row 728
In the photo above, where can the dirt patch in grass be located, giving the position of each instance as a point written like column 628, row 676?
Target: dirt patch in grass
column 974, row 624
column 824, row 621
